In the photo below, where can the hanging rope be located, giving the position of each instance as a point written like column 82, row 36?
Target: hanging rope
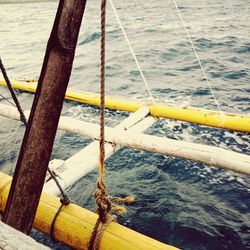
column 102, row 89
column 101, row 194
column 103, row 201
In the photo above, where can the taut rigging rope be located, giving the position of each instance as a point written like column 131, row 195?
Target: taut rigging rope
column 198, row 59
column 131, row 50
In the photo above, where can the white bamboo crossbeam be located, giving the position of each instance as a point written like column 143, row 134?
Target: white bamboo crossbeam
column 202, row 153
column 86, row 159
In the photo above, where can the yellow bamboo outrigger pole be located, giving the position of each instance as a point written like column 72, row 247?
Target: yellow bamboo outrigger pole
column 205, row 117
column 74, row 225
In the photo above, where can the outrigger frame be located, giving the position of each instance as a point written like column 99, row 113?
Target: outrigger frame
column 127, row 133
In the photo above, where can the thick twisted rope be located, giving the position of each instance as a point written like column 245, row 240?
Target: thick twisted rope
column 101, row 194
column 103, row 201
column 102, row 88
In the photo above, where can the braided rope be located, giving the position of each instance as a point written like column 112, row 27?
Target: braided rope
column 101, row 194
column 102, row 200
column 102, row 88
column 98, row 230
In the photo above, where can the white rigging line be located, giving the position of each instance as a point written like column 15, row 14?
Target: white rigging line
column 131, row 50
column 198, row 59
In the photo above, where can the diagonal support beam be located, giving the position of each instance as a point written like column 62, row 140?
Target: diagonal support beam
column 39, row 136
column 86, row 160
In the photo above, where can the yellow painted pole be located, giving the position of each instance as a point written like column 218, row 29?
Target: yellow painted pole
column 205, row 117
column 74, row 225
column 193, row 115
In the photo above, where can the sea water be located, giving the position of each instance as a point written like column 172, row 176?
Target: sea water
column 179, row 202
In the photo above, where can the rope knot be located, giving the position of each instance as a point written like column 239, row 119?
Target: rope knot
column 64, row 200
column 102, row 200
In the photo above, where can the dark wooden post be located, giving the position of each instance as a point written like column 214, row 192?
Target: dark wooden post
column 40, row 133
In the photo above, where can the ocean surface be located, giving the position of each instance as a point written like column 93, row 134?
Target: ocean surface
column 179, row 202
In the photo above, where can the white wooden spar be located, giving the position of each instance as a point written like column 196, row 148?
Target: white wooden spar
column 202, row 153
column 87, row 159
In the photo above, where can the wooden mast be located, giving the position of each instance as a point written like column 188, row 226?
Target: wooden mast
column 39, row 136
